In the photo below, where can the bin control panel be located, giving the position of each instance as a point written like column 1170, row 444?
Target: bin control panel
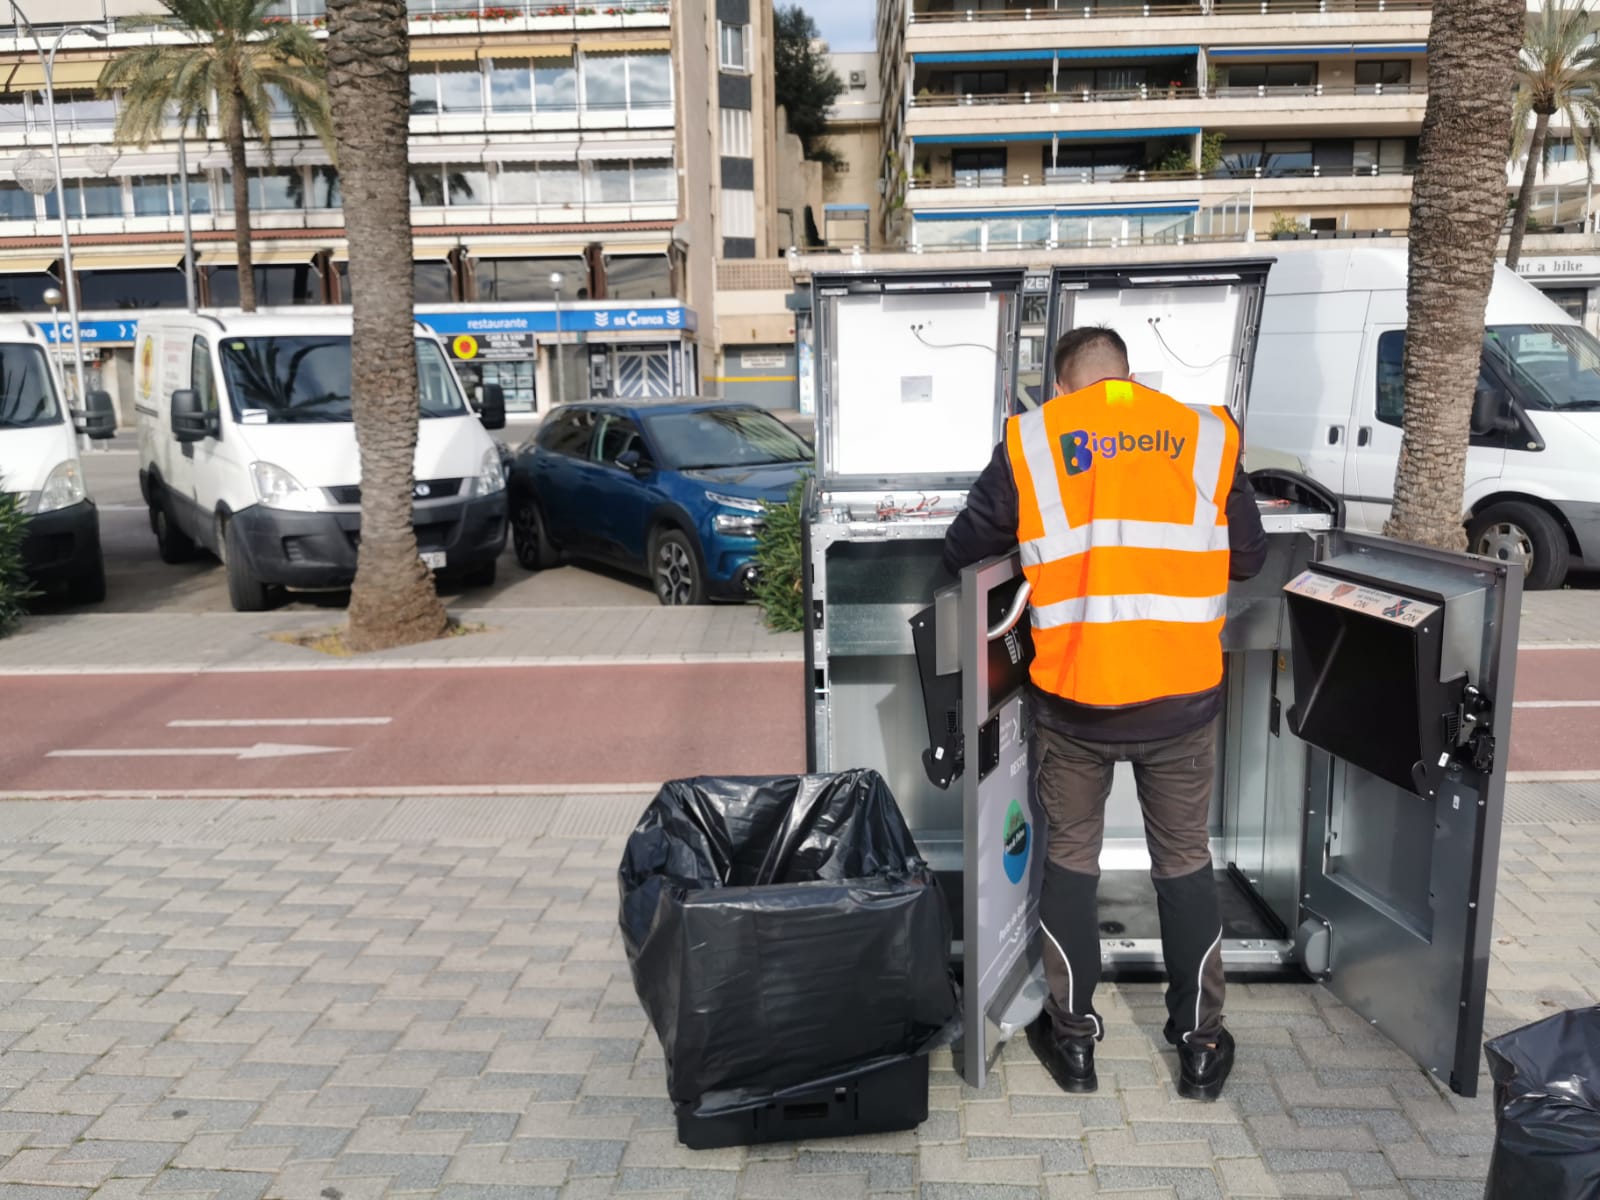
column 1383, row 672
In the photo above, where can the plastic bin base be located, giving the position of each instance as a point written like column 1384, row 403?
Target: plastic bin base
column 885, row 1100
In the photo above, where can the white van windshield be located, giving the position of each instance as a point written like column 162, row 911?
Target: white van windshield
column 1551, row 366
column 305, row 378
column 27, row 395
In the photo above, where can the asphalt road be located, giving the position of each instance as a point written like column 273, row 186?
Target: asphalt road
column 138, row 581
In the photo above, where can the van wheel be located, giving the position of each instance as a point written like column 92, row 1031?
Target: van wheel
column 245, row 591
column 172, row 543
column 90, row 587
column 1524, row 534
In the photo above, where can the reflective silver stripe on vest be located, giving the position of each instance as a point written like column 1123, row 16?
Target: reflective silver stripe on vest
column 1041, row 460
column 1210, row 442
column 1140, row 535
column 1106, row 610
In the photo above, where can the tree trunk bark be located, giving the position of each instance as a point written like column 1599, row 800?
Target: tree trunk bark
column 393, row 602
column 1458, row 207
column 241, row 208
column 1519, row 219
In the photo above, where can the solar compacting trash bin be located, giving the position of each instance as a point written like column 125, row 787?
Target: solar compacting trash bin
column 1356, row 818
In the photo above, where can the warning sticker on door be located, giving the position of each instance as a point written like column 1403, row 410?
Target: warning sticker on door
column 1402, row 610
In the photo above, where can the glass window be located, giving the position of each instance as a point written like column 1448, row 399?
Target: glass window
column 306, row 378
column 638, row 277
column 618, row 435
column 529, row 278
column 27, row 394
column 975, row 168
column 156, row 287
column 1274, row 75
column 605, row 81
column 511, row 85
column 152, row 196
column 460, row 89
column 77, row 110
column 559, row 183
column 608, row 182
column 1552, row 366
column 1391, row 398
column 202, row 380
column 650, row 80
column 16, row 204
column 736, row 132
column 725, row 437
column 570, row 433
column 432, row 282
column 733, row 47
column 555, row 87
column 325, row 191
column 456, row 184
column 25, row 293
column 286, row 285
column 1384, row 74
column 278, row 190
column 1287, row 158
column 654, row 180
column 88, row 199
column 424, row 92
column 517, row 183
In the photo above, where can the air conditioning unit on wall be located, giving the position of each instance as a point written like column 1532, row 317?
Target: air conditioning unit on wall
column 858, row 79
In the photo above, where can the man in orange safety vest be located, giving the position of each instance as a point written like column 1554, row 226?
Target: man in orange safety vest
column 1131, row 512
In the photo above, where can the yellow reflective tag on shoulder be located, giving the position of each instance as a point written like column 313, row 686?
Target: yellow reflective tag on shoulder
column 1119, row 391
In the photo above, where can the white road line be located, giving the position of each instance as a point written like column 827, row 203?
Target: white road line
column 259, row 750
column 276, row 722
column 1556, row 704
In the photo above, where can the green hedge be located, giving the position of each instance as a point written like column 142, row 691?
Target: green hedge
column 15, row 588
column 780, row 590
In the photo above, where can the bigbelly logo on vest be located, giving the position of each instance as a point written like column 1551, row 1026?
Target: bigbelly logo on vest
column 1016, row 840
column 1080, row 447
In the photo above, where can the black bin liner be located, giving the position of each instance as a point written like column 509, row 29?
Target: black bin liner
column 1547, row 1109
column 782, row 932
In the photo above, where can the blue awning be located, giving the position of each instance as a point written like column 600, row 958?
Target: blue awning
column 985, row 56
column 1317, row 51
column 979, row 139
column 1078, row 135
column 986, row 214
column 1130, row 52
column 1000, row 56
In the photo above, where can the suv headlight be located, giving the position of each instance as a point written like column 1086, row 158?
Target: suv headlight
column 276, row 488
column 63, row 489
column 491, row 476
column 747, row 520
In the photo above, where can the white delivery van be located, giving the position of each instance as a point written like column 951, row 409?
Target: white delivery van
column 39, row 462
column 1328, row 397
column 247, row 448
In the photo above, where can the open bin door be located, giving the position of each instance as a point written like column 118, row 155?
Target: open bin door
column 1403, row 663
column 1003, row 838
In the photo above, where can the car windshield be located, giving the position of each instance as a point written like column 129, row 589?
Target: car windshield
column 27, row 393
column 1552, row 366
column 302, row 378
column 725, row 437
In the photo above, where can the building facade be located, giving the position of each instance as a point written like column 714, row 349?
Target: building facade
column 1119, row 122
column 566, row 196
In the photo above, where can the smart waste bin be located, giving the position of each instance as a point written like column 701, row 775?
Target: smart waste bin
column 1355, row 822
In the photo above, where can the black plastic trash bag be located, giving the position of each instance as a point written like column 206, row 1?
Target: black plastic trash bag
column 783, row 931
column 1547, row 1109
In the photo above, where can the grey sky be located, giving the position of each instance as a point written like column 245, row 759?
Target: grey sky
column 845, row 24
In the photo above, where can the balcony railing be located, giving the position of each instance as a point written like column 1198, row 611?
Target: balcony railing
column 1072, row 176
column 1162, row 92
column 1097, row 11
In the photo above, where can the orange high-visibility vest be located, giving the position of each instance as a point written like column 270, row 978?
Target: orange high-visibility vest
column 1124, row 536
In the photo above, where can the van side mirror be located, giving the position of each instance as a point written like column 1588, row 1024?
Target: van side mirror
column 190, row 420
column 492, row 411
column 99, row 419
column 1489, row 412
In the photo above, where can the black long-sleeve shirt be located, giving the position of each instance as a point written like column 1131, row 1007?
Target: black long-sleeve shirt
column 988, row 526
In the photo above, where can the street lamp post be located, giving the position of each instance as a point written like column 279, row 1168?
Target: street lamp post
column 48, row 60
column 52, row 297
column 556, row 280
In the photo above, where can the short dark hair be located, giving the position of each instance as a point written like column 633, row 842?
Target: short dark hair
column 1085, row 337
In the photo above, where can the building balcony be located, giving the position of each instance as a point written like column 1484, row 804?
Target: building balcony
column 996, row 117
column 1022, row 30
column 1272, row 187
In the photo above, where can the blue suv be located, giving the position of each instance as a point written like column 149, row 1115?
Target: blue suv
column 668, row 489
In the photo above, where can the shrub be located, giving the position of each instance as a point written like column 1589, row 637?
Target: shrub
column 780, row 590
column 15, row 587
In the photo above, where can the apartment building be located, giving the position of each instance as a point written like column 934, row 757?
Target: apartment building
column 577, row 171
column 1009, row 123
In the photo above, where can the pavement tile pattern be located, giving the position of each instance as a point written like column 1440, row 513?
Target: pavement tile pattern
column 267, row 1006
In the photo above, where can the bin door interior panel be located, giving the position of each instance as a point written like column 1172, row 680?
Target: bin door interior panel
column 1004, row 829
column 1403, row 665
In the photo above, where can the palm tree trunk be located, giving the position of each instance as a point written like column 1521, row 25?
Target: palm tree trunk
column 393, row 602
column 241, row 208
column 1519, row 219
column 1458, row 208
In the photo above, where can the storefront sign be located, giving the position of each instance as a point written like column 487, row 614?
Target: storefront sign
column 91, row 331
column 491, row 346
column 758, row 360
column 1576, row 267
column 621, row 318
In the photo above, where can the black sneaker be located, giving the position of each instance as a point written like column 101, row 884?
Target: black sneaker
column 1203, row 1067
column 1070, row 1061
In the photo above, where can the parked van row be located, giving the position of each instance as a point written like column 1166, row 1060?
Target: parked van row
column 39, row 463
column 247, row 449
